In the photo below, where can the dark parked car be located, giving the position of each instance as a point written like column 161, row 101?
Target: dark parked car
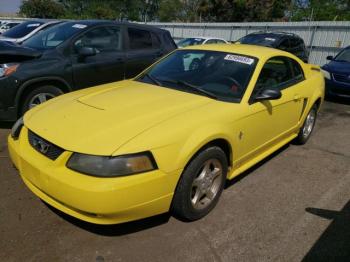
column 285, row 41
column 337, row 74
column 74, row 55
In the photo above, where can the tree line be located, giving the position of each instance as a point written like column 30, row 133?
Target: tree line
column 190, row 10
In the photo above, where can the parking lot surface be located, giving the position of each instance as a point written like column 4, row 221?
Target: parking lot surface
column 294, row 206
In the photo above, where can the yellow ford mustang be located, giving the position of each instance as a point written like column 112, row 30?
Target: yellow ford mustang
column 169, row 138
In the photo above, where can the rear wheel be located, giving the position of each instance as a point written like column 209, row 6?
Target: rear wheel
column 308, row 126
column 38, row 96
column 201, row 185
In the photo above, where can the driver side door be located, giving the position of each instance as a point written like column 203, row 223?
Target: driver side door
column 107, row 65
column 272, row 122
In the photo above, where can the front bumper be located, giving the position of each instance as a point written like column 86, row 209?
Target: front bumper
column 339, row 89
column 92, row 199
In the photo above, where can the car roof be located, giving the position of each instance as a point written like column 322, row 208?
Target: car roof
column 260, row 52
column 276, row 34
column 111, row 22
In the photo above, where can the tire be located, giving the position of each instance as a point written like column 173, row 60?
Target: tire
column 308, row 126
column 205, row 173
column 39, row 95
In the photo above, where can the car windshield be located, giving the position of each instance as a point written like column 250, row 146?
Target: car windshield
column 219, row 75
column 255, row 39
column 343, row 56
column 190, row 41
column 22, row 29
column 53, row 36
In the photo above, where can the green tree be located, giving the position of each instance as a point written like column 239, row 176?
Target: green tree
column 170, row 11
column 41, row 9
column 321, row 10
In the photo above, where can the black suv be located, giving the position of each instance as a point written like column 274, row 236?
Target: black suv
column 289, row 42
column 74, row 55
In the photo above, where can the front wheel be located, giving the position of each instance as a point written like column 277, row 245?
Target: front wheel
column 308, row 126
column 201, row 185
column 40, row 95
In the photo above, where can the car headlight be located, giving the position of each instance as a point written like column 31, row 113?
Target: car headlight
column 106, row 166
column 8, row 69
column 326, row 74
column 16, row 129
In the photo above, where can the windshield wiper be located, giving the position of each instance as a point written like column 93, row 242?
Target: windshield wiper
column 154, row 80
column 192, row 87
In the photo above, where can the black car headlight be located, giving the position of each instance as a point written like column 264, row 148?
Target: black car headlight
column 106, row 166
column 16, row 129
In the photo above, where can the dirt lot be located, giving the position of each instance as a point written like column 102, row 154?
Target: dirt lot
column 295, row 206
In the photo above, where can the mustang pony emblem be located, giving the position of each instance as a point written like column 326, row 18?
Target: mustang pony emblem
column 41, row 145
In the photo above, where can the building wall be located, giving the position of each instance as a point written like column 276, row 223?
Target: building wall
column 322, row 38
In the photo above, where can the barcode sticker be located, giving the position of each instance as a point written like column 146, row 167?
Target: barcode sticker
column 240, row 59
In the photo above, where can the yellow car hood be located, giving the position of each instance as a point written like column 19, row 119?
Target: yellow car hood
column 99, row 120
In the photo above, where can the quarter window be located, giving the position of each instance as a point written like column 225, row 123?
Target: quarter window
column 298, row 73
column 139, row 39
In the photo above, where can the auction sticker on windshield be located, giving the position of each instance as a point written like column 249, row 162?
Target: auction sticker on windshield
column 80, row 26
column 33, row 25
column 239, row 59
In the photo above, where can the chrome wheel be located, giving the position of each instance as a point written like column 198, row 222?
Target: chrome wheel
column 207, row 184
column 39, row 99
column 309, row 123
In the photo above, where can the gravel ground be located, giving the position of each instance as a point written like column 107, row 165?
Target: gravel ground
column 294, row 206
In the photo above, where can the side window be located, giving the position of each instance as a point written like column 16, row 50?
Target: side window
column 276, row 73
column 139, row 39
column 298, row 73
column 219, row 41
column 104, row 39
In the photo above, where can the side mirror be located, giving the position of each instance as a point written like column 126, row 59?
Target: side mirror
column 330, row 57
column 268, row 94
column 87, row 51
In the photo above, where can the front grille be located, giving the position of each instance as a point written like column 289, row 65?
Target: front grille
column 342, row 78
column 44, row 147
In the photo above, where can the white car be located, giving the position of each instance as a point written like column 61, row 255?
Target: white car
column 192, row 62
column 25, row 30
column 201, row 40
column 7, row 26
